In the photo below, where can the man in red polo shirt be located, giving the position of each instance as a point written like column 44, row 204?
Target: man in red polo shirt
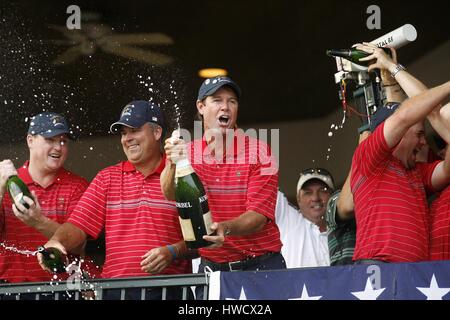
column 56, row 191
column 240, row 177
column 142, row 231
column 388, row 186
column 439, row 214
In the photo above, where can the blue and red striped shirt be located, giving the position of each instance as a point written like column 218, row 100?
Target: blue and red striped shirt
column 136, row 218
column 57, row 201
column 390, row 203
column 245, row 179
column 440, row 227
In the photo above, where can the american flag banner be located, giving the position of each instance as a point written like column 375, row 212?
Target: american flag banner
column 390, row 281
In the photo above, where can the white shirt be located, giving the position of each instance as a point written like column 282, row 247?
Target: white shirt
column 303, row 243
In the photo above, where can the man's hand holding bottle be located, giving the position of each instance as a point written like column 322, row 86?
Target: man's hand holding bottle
column 175, row 147
column 50, row 244
column 7, row 170
column 383, row 61
column 220, row 230
column 32, row 216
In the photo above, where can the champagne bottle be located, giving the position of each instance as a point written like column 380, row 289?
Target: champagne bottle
column 17, row 189
column 192, row 204
column 354, row 55
column 54, row 259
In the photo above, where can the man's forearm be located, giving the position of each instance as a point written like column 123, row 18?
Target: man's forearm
column 345, row 205
column 410, row 84
column 446, row 166
column 418, row 107
column 183, row 252
column 412, row 87
column 47, row 227
column 70, row 236
column 247, row 223
column 395, row 93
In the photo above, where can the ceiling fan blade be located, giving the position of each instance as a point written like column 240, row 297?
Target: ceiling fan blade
column 68, row 56
column 58, row 42
column 96, row 30
column 140, row 39
column 145, row 56
column 57, row 28
column 76, row 36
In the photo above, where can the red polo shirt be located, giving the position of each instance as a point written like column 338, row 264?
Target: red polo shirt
column 136, row 218
column 57, row 201
column 440, row 227
column 390, row 203
column 246, row 179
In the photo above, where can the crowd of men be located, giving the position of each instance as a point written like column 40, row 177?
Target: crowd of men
column 380, row 215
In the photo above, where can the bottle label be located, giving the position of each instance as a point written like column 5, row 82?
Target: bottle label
column 18, row 197
column 187, row 229
column 207, row 218
column 183, row 171
column 183, row 205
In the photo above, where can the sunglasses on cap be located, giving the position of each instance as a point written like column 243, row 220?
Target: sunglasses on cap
column 321, row 171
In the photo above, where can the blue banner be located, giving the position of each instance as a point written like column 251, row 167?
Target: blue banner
column 395, row 281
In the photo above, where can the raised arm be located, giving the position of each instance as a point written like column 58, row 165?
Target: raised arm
column 413, row 110
column 167, row 181
column 402, row 81
column 175, row 149
column 345, row 205
column 7, row 169
column 67, row 238
column 247, row 223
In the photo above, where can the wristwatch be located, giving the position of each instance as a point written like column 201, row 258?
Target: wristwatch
column 397, row 69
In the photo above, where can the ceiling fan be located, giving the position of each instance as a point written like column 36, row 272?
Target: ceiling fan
column 95, row 36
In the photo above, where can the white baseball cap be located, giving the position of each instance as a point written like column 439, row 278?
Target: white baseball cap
column 315, row 173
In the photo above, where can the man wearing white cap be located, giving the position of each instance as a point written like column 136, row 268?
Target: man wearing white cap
column 303, row 232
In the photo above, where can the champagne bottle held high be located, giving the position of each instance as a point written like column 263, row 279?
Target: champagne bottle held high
column 17, row 189
column 353, row 55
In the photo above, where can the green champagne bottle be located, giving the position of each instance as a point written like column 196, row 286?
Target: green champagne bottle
column 192, row 204
column 17, row 189
column 54, row 259
column 354, row 55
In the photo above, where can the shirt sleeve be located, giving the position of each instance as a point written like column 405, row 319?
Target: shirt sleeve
column 89, row 213
column 370, row 154
column 76, row 194
column 281, row 211
column 426, row 171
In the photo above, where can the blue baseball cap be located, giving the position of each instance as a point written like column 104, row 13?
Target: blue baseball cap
column 49, row 124
column 137, row 113
column 382, row 114
column 211, row 85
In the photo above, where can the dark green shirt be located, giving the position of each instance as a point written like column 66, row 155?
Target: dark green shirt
column 341, row 234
